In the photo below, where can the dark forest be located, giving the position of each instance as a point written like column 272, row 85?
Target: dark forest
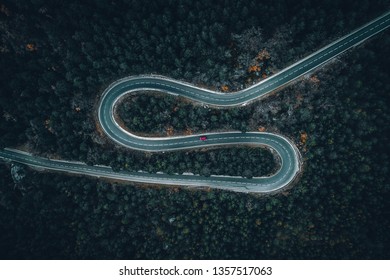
column 56, row 59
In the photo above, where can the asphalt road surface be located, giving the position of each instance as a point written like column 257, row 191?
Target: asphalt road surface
column 289, row 157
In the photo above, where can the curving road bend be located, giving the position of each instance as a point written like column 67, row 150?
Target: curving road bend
column 285, row 149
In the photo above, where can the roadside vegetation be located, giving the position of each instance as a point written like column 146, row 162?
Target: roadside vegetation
column 58, row 56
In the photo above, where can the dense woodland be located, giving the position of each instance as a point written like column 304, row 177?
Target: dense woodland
column 57, row 57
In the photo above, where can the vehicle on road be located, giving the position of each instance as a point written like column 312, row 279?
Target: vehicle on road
column 286, row 150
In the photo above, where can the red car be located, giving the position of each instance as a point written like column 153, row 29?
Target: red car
column 203, row 138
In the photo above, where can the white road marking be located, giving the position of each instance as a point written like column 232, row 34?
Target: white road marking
column 287, row 152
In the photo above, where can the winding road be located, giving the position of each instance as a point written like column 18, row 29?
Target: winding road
column 287, row 152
